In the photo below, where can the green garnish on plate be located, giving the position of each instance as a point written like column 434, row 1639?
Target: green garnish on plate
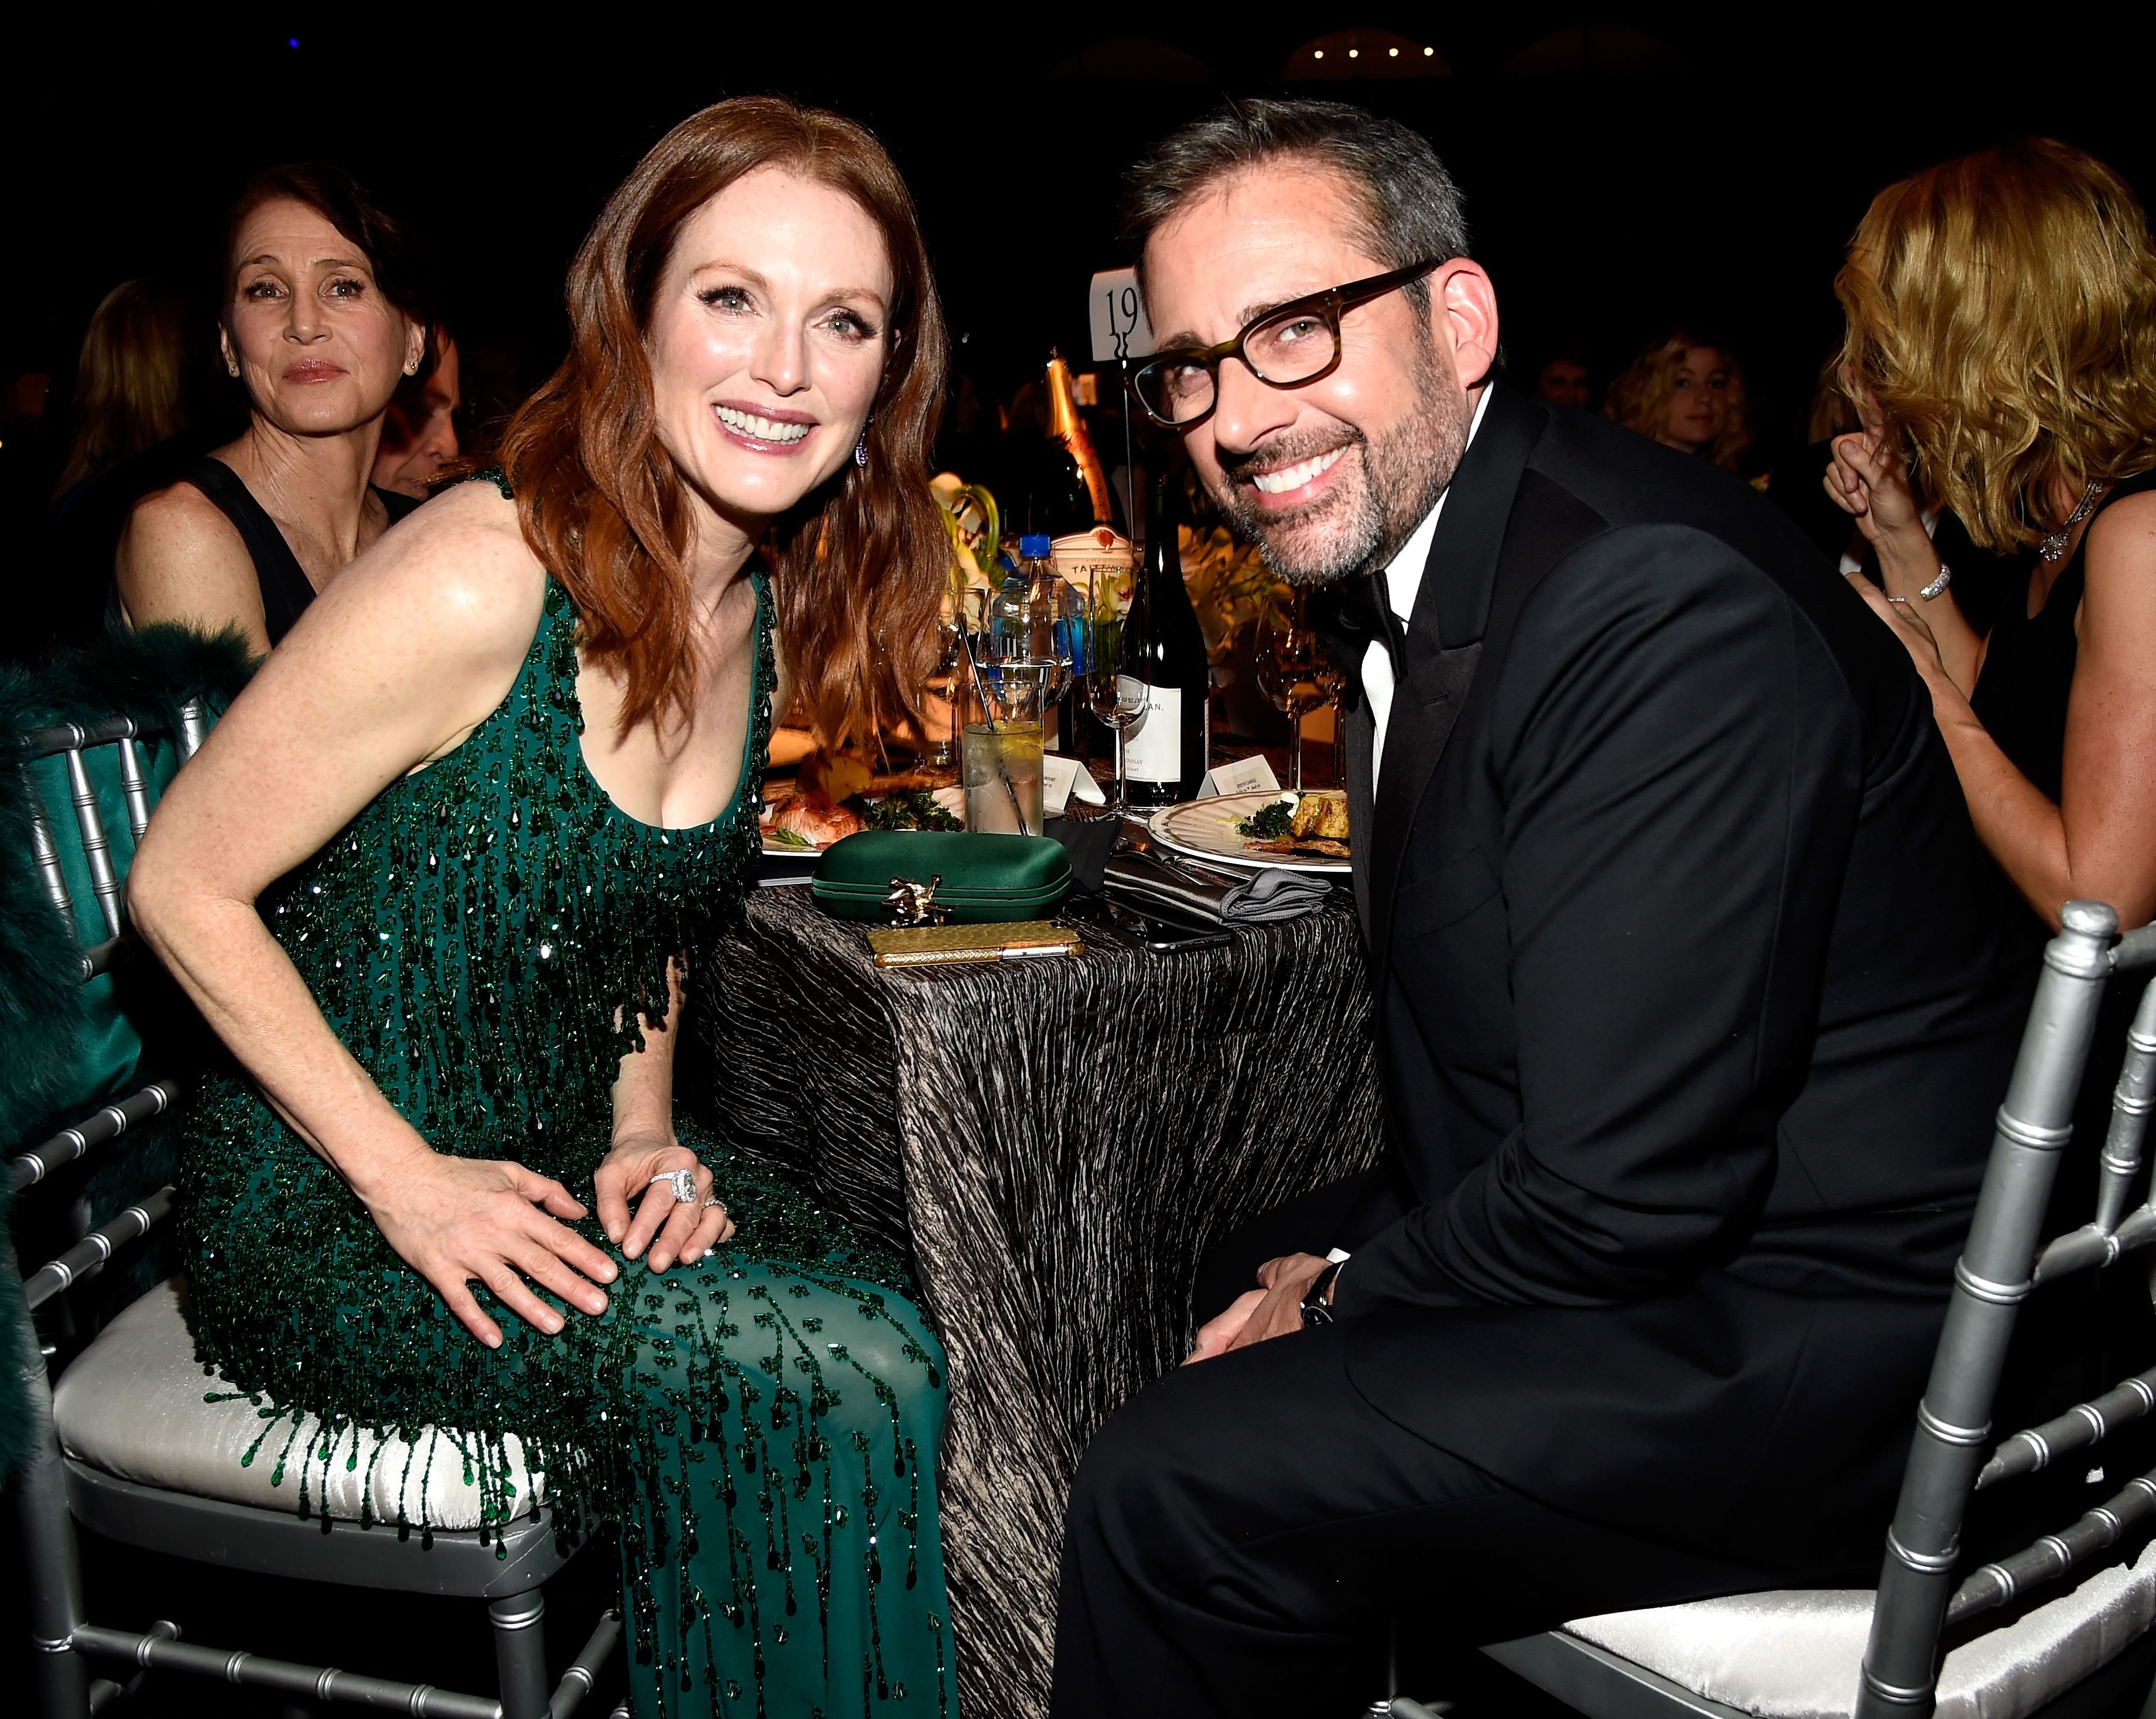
column 904, row 808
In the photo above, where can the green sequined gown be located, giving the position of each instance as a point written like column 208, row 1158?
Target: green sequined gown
column 762, row 1425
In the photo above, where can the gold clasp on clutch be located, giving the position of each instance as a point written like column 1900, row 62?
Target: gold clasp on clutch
column 912, row 903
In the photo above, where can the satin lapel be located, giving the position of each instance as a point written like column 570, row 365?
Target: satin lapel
column 1359, row 730
column 1445, row 639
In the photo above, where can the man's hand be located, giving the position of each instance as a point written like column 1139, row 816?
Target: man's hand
column 1218, row 1332
column 1269, row 1312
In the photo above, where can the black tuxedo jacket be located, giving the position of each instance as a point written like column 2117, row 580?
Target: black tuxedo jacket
column 1693, row 1006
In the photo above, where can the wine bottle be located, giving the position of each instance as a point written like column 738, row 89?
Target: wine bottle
column 1065, row 426
column 1070, row 504
column 1068, row 491
column 1164, row 756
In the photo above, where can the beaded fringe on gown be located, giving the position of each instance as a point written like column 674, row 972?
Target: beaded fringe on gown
column 762, row 1425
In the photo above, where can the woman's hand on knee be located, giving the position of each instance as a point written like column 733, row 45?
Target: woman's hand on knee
column 461, row 1221
column 673, row 1229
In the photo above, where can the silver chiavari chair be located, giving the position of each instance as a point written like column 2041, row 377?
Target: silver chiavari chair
column 127, row 1441
column 2079, row 1639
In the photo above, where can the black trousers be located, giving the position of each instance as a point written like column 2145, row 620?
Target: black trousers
column 1241, row 1532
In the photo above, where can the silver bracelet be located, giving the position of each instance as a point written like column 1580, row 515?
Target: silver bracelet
column 1939, row 584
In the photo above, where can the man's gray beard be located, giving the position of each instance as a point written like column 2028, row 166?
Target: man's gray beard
column 1403, row 475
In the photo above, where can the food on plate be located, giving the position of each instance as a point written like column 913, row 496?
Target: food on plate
column 1311, row 826
column 1323, row 815
column 811, row 816
column 906, row 808
column 1270, row 822
column 809, row 820
column 839, row 777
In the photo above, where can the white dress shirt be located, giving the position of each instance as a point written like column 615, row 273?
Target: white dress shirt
column 1403, row 580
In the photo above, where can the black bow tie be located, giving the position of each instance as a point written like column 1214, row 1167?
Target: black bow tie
column 1349, row 617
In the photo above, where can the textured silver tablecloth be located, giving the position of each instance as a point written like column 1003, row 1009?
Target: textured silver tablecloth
column 1055, row 1144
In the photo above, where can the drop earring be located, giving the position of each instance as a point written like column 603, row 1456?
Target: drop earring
column 861, row 447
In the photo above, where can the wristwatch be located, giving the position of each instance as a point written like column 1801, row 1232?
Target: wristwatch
column 1317, row 1310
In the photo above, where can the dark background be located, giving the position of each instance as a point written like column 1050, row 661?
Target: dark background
column 1663, row 163
column 1626, row 168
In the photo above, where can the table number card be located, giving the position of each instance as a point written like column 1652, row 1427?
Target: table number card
column 1120, row 328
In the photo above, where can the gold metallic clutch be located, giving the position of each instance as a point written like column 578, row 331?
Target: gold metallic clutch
column 943, row 944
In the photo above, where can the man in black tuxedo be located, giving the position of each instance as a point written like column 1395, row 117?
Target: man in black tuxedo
column 1691, row 1017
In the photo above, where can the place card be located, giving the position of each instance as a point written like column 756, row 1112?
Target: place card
column 1059, row 777
column 1245, row 776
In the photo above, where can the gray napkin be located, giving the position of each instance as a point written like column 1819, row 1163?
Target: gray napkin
column 1263, row 897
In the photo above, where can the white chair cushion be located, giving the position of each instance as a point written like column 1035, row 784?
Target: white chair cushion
column 1796, row 1654
column 131, row 1405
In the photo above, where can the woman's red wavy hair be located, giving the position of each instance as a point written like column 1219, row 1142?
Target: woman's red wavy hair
column 858, row 568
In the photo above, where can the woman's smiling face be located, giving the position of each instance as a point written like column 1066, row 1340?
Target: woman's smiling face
column 1699, row 404
column 768, row 336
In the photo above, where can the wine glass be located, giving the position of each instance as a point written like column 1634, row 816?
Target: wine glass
column 1335, row 686
column 1116, row 698
column 1291, row 670
column 947, row 682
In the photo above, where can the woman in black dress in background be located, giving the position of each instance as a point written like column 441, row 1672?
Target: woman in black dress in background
column 2002, row 333
column 322, row 316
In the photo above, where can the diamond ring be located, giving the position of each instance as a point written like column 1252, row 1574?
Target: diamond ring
column 682, row 1181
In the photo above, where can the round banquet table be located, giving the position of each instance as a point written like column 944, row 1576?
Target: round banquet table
column 1053, row 1144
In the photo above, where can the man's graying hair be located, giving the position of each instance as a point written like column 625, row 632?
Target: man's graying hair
column 1409, row 208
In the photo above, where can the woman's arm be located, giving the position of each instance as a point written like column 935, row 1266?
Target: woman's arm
column 180, row 559
column 2095, row 844
column 1872, row 483
column 388, row 669
column 645, row 1148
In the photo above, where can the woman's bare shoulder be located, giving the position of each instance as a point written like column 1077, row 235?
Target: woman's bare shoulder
column 2119, row 554
column 180, row 517
column 2128, row 521
column 179, row 559
column 456, row 571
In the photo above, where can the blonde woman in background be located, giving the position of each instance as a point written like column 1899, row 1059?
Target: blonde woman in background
column 2002, row 338
column 137, row 388
column 130, row 382
column 1679, row 392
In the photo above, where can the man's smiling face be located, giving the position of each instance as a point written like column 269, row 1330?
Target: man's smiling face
column 1331, row 477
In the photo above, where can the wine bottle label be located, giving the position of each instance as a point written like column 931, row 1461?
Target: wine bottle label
column 1152, row 751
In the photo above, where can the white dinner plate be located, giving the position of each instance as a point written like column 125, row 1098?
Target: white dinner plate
column 1205, row 830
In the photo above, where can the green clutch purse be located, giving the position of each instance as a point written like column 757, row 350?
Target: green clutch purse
column 929, row 876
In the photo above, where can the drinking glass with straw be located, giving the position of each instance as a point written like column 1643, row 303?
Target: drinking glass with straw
column 1000, row 756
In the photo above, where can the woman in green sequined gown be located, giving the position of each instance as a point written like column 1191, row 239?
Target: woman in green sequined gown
column 437, row 877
